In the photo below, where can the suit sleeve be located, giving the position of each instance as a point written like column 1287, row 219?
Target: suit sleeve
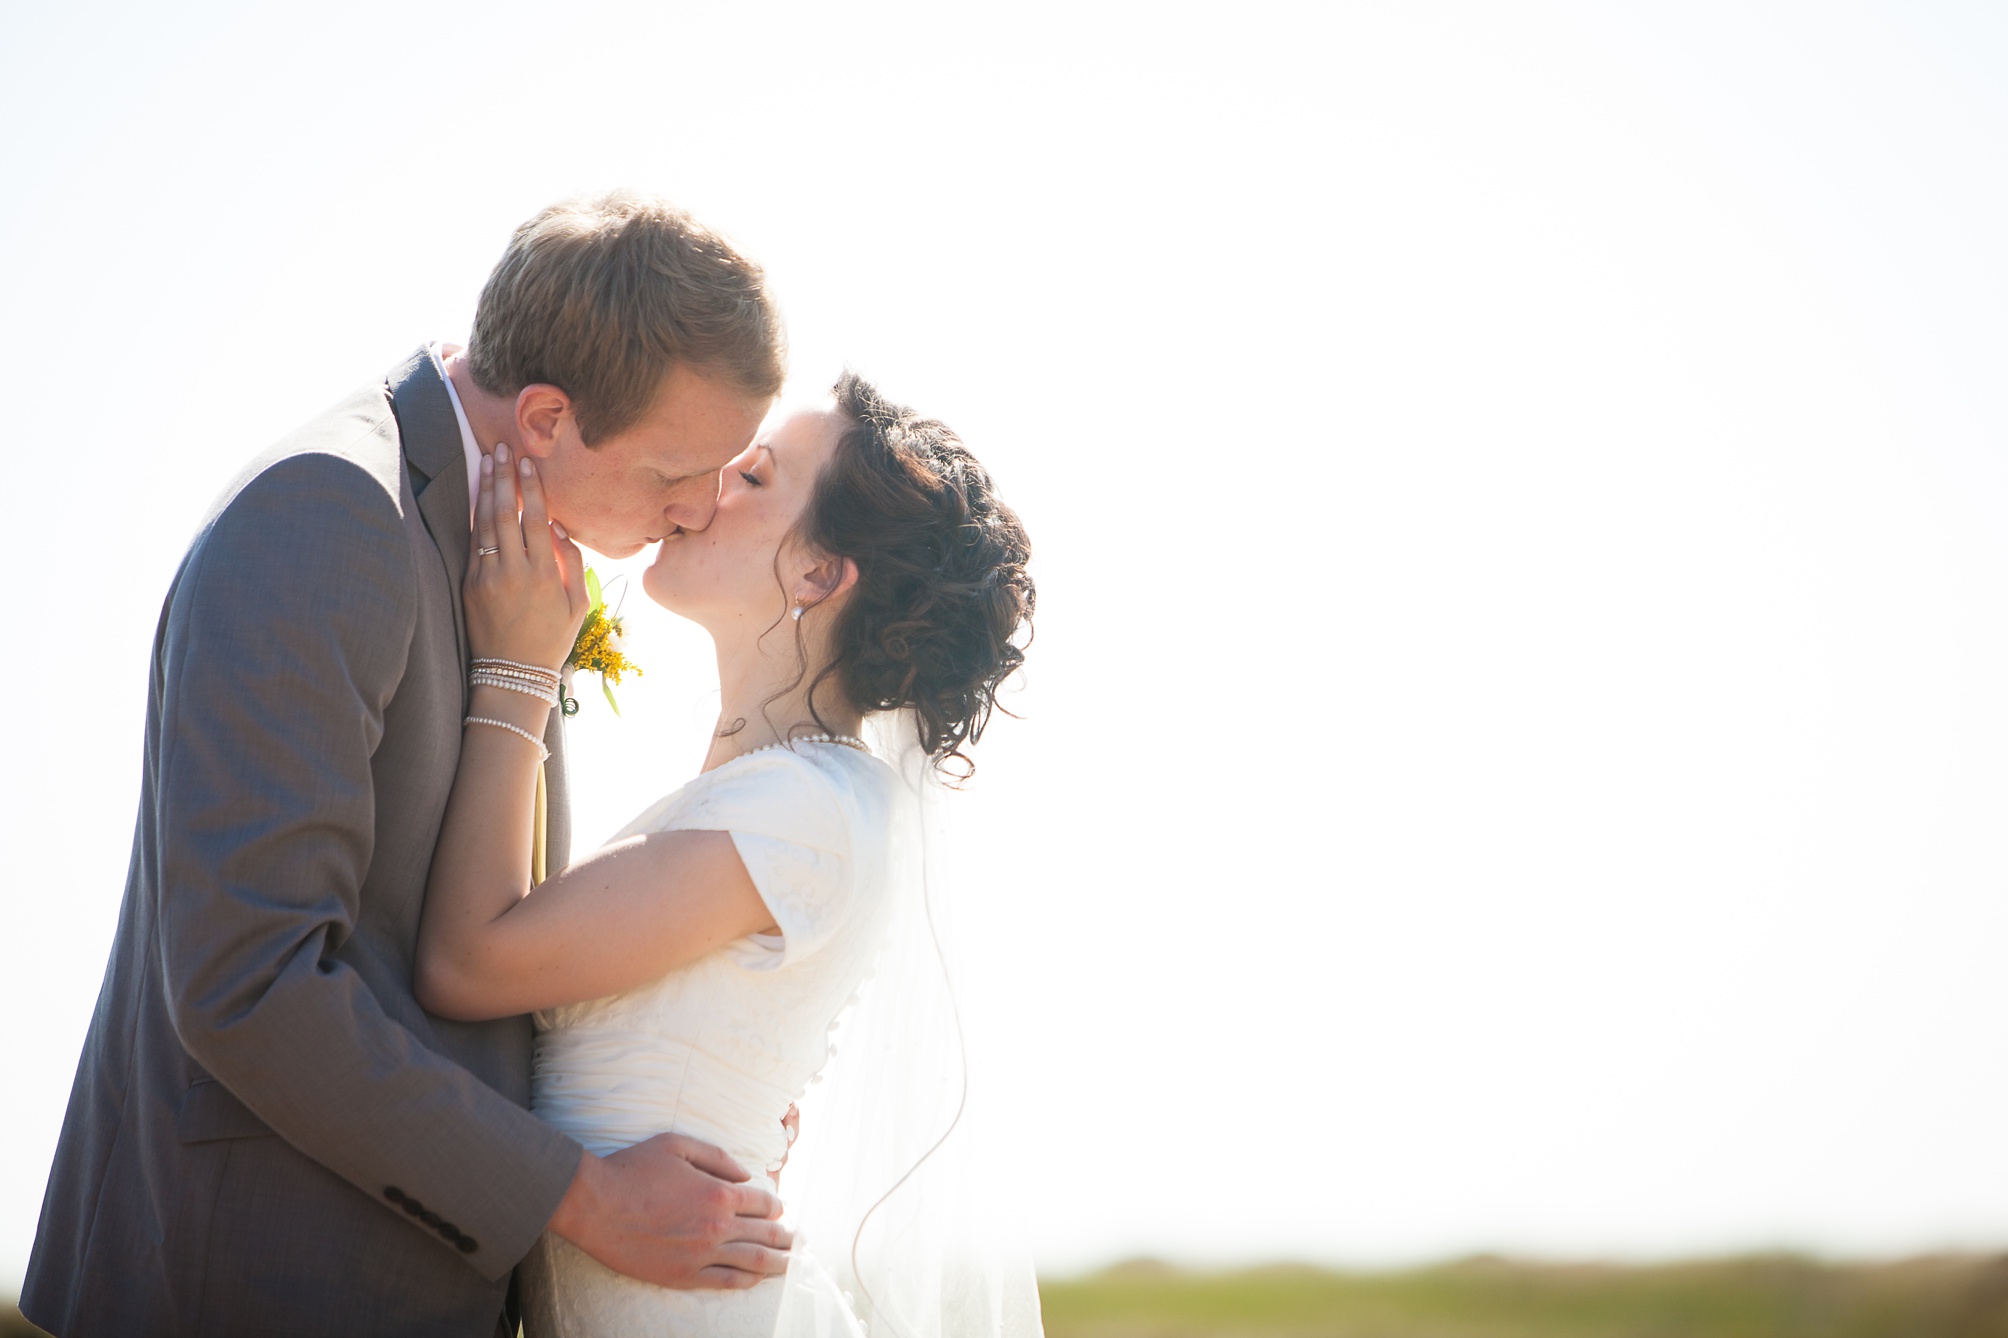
column 287, row 636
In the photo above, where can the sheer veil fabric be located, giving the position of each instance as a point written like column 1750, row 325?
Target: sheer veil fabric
column 893, row 1187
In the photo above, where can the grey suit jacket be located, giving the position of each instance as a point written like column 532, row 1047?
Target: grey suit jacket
column 267, row 1134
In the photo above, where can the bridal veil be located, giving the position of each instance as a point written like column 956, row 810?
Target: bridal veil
column 892, row 1187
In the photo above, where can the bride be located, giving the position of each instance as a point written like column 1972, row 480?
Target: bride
column 685, row 978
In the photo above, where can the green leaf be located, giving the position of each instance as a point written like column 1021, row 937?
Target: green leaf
column 580, row 639
column 606, row 688
column 593, row 590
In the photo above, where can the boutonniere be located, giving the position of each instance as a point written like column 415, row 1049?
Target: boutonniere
column 598, row 648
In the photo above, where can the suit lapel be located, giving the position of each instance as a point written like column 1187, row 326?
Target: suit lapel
column 432, row 449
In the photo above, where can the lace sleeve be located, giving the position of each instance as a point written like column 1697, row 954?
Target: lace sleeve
column 808, row 891
column 789, row 822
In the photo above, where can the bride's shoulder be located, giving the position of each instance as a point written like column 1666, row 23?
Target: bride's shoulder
column 836, row 768
column 856, row 780
column 815, row 793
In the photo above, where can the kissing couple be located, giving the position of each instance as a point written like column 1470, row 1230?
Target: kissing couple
column 374, row 1054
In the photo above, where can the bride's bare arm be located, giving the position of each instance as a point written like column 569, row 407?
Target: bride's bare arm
column 622, row 917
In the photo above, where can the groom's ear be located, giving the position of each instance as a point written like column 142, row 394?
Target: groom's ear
column 543, row 415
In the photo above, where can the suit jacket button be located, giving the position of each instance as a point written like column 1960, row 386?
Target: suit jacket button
column 393, row 1193
column 467, row 1244
column 429, row 1217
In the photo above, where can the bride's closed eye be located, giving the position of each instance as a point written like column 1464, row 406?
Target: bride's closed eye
column 749, row 478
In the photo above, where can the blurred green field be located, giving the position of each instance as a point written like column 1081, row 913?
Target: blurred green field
column 1954, row 1296
column 1762, row 1297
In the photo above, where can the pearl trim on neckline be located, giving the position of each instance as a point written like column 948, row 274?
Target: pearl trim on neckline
column 845, row 740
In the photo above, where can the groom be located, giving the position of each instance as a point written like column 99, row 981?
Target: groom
column 267, row 1134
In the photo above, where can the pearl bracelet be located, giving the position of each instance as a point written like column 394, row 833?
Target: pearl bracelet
column 508, row 676
column 543, row 753
column 482, row 678
column 490, row 662
column 507, row 672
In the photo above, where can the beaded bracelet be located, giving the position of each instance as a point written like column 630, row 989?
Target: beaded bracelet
column 530, row 674
column 504, row 676
column 543, row 753
column 546, row 695
column 490, row 662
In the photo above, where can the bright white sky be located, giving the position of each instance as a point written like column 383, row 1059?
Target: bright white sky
column 1516, row 749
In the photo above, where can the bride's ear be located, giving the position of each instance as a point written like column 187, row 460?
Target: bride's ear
column 543, row 413
column 826, row 579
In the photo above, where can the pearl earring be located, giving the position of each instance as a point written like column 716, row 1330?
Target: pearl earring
column 798, row 612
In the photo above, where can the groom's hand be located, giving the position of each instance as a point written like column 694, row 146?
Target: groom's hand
column 675, row 1212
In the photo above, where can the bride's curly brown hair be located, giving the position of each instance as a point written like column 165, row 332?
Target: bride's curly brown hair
column 942, row 591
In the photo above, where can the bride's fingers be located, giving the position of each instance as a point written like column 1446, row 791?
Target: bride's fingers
column 507, row 503
column 536, row 518
column 572, row 564
column 484, row 509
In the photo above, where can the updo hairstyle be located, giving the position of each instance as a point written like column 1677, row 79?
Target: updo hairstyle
column 942, row 590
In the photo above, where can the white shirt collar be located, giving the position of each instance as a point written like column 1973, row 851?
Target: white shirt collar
column 467, row 442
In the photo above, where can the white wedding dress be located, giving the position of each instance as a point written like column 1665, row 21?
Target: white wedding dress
column 719, row 1049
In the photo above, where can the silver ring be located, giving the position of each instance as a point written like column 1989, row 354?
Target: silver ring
column 488, row 552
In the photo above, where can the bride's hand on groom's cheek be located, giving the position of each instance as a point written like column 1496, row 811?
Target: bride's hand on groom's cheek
column 525, row 594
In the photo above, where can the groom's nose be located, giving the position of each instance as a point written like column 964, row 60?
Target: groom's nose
column 694, row 502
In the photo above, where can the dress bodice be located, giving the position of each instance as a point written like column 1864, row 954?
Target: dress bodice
column 720, row 1048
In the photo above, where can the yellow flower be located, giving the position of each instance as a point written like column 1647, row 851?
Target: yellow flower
column 598, row 648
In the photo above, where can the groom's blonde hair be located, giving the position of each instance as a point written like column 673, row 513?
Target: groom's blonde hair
column 601, row 296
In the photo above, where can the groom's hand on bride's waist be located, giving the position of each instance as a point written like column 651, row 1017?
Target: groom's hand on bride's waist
column 675, row 1212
